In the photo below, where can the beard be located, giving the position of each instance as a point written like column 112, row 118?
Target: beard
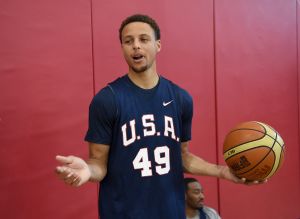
column 140, row 69
column 143, row 68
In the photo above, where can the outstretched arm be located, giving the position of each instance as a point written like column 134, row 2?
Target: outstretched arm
column 75, row 171
column 197, row 166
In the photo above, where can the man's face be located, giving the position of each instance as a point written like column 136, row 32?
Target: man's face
column 194, row 195
column 139, row 46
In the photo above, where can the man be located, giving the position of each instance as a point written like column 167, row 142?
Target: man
column 194, row 201
column 139, row 128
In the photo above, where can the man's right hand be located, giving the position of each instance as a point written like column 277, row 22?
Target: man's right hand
column 73, row 170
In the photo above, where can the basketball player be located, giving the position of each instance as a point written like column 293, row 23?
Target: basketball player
column 139, row 129
column 194, row 201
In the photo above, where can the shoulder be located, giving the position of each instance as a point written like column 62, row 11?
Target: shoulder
column 183, row 93
column 103, row 96
column 211, row 212
column 107, row 94
column 118, row 83
column 104, row 101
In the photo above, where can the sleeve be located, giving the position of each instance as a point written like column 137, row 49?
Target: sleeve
column 102, row 114
column 186, row 115
column 211, row 213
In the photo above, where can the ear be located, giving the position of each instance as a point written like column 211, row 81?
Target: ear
column 158, row 45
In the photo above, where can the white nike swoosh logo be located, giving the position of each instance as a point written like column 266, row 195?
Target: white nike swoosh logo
column 167, row 103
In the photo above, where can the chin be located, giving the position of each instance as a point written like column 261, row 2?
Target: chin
column 140, row 70
column 200, row 206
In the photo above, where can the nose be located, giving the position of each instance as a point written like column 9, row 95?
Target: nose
column 136, row 44
column 202, row 195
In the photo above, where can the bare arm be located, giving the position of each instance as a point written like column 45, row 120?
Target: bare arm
column 197, row 166
column 75, row 171
column 97, row 162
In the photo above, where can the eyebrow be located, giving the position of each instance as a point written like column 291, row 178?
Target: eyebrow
column 144, row 35
column 141, row 35
column 197, row 189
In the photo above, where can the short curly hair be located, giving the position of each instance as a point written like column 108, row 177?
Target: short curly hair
column 140, row 18
column 187, row 181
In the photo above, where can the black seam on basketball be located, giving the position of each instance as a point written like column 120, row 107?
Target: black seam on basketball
column 280, row 158
column 246, row 142
column 255, row 130
column 271, row 150
column 262, row 146
column 257, row 163
column 255, row 139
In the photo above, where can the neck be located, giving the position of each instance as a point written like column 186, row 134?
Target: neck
column 146, row 80
column 190, row 212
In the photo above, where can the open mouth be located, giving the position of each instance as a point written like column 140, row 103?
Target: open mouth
column 137, row 57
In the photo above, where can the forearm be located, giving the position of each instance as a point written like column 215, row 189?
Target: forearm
column 97, row 162
column 197, row 166
column 97, row 170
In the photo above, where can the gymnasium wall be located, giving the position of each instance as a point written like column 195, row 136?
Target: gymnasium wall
column 261, row 37
column 46, row 83
column 238, row 59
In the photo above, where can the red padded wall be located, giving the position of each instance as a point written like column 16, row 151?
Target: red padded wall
column 238, row 59
column 46, row 86
column 257, row 80
column 298, row 65
column 186, row 58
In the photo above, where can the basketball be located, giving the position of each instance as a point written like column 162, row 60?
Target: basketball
column 253, row 150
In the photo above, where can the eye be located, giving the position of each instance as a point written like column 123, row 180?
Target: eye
column 144, row 40
column 127, row 41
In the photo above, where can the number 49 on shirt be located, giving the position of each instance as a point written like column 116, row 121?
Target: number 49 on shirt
column 161, row 157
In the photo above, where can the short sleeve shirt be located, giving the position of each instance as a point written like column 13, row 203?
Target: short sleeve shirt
column 144, row 130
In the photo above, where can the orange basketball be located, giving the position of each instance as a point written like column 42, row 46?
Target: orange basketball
column 253, row 150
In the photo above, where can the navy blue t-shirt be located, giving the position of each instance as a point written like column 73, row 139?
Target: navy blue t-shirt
column 144, row 129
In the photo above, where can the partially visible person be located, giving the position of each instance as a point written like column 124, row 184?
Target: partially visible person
column 138, row 136
column 194, row 201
